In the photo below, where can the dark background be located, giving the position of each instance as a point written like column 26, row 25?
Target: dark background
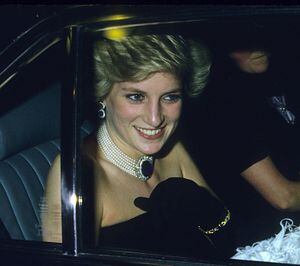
column 17, row 18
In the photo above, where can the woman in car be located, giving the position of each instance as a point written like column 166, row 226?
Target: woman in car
column 148, row 193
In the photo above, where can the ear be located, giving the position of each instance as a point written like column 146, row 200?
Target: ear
column 100, row 102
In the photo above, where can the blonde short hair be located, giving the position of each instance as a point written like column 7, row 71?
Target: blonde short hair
column 134, row 58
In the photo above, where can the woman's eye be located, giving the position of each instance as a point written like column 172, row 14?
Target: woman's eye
column 172, row 98
column 136, row 97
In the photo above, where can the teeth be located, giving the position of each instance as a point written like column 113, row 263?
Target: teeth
column 149, row 132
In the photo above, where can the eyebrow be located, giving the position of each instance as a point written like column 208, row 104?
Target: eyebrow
column 131, row 89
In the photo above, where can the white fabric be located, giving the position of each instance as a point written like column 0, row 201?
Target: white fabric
column 282, row 248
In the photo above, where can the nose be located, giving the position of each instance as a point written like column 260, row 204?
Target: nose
column 153, row 114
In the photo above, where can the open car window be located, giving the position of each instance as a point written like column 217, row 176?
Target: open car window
column 244, row 107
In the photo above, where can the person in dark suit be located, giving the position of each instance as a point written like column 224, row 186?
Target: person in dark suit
column 249, row 127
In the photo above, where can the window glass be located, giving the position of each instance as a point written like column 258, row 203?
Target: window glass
column 30, row 140
column 240, row 132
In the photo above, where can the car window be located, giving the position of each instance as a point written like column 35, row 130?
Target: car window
column 230, row 113
column 30, row 140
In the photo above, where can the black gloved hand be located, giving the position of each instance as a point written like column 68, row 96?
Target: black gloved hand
column 185, row 201
column 186, row 211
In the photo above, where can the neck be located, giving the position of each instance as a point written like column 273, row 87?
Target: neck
column 142, row 168
column 121, row 144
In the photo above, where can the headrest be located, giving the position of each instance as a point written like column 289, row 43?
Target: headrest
column 35, row 121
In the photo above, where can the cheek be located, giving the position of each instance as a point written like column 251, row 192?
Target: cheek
column 174, row 112
column 123, row 112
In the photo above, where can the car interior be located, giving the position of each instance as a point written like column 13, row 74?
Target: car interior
column 29, row 144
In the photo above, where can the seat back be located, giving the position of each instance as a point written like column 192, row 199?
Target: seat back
column 29, row 142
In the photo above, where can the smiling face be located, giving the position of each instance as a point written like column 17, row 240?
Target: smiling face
column 141, row 116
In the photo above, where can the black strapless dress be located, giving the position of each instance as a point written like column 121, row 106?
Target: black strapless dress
column 181, row 218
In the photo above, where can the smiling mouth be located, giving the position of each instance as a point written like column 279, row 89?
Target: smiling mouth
column 149, row 133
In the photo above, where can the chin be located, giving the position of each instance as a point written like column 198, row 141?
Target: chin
column 152, row 150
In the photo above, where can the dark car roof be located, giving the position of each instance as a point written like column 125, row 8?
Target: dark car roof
column 16, row 19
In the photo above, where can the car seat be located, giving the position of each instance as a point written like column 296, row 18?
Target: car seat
column 29, row 142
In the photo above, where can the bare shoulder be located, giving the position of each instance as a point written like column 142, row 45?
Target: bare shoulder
column 188, row 167
column 51, row 217
column 54, row 178
column 181, row 153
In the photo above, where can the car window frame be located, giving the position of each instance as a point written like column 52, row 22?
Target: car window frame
column 71, row 245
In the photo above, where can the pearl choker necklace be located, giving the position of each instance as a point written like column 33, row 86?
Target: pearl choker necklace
column 141, row 168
